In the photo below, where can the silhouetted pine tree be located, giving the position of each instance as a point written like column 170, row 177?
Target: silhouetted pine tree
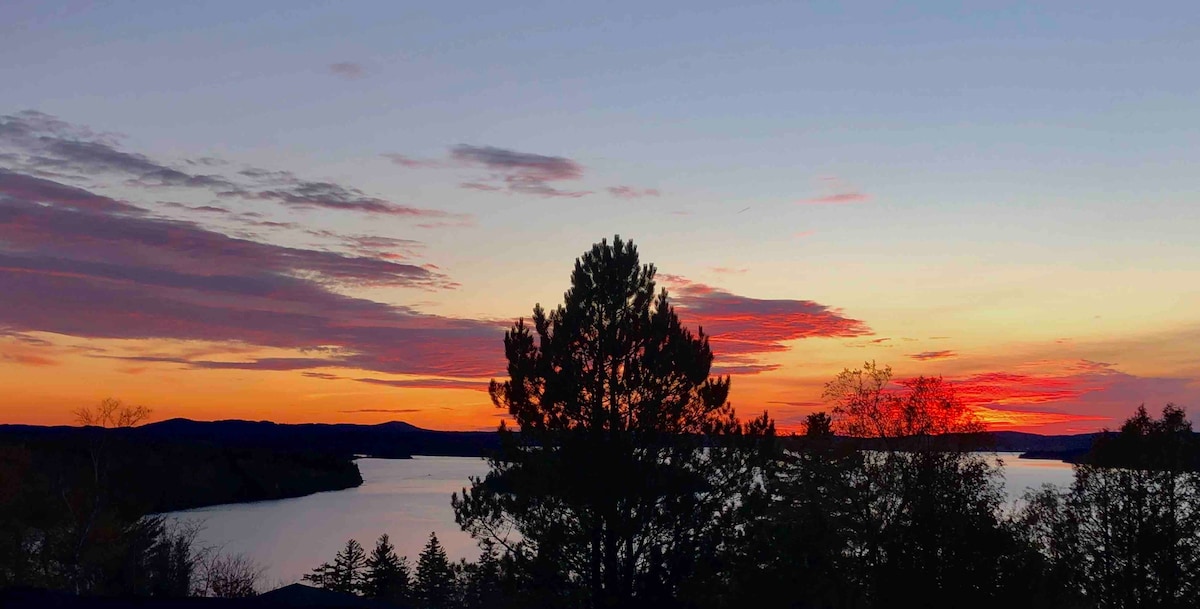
column 386, row 576
column 629, row 460
column 346, row 572
column 434, row 587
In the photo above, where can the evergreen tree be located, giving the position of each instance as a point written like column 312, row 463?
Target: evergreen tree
column 629, row 459
column 481, row 583
column 345, row 574
column 387, row 575
column 321, row 576
column 434, row 587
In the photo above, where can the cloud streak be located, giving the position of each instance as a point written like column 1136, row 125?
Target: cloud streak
column 514, row 172
column 926, row 356
column 410, row 162
column 347, row 69
column 521, row 172
column 79, row 264
column 839, row 198
column 741, row 327
column 41, row 145
column 632, row 192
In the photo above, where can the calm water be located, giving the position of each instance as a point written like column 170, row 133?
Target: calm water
column 407, row 499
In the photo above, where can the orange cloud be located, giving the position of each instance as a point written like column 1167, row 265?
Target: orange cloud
column 925, row 356
column 27, row 359
column 998, row 420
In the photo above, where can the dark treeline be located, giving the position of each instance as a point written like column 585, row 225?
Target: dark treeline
column 76, row 510
column 145, row 468
column 434, row 581
column 633, row 483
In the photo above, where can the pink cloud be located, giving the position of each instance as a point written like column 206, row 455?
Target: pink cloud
column 741, row 327
column 837, row 199
column 105, row 273
column 479, row 186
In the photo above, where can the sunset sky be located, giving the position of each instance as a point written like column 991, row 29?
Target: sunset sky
column 274, row 211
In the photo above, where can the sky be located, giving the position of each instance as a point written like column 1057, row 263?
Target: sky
column 330, row 212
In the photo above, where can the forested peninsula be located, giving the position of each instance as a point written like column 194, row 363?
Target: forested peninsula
column 181, row 464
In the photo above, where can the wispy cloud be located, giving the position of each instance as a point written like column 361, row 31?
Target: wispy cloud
column 926, row 356
column 743, row 369
column 632, row 192
column 798, row 404
column 27, row 359
column 304, row 194
column 428, row 383
column 837, row 192
column 410, row 162
column 480, row 186
column 374, row 246
column 347, row 69
column 381, row 410
column 837, row 198
column 725, row 270
column 43, row 146
column 514, row 172
column 413, row 383
column 521, row 172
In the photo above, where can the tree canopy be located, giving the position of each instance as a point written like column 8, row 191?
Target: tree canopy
column 626, row 465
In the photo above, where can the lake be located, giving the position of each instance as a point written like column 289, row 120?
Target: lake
column 407, row 499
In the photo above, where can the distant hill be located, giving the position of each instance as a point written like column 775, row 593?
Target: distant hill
column 1033, row 446
column 392, row 440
